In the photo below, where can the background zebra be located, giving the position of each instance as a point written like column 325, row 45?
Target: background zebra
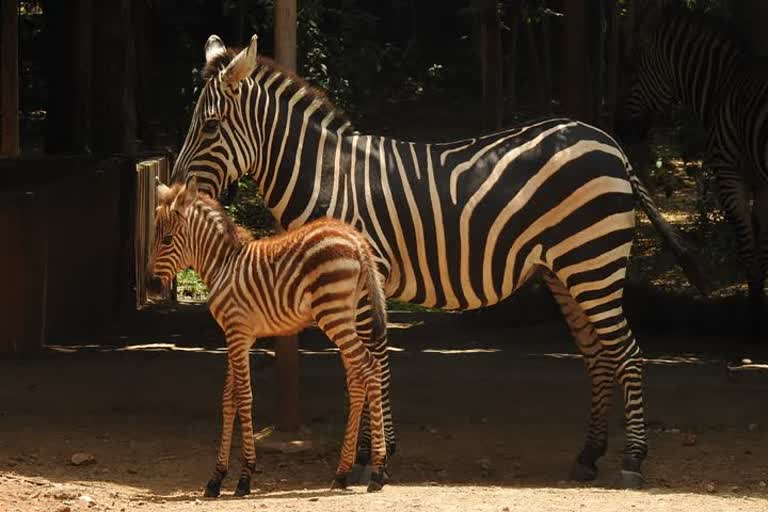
column 323, row 271
column 695, row 60
column 459, row 225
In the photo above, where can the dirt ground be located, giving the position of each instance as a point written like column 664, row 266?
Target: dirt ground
column 489, row 418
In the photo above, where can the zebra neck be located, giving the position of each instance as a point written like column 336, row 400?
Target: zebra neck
column 212, row 244
column 703, row 73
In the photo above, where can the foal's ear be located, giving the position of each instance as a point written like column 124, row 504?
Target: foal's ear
column 164, row 193
column 186, row 197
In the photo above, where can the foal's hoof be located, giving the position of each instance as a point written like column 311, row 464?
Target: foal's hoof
column 339, row 482
column 243, row 487
column 212, row 489
column 581, row 472
column 377, row 482
column 632, row 479
column 359, row 474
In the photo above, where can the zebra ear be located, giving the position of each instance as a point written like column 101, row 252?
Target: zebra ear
column 214, row 47
column 187, row 195
column 164, row 193
column 243, row 64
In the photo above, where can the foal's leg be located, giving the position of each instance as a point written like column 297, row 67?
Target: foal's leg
column 372, row 378
column 378, row 349
column 238, row 347
column 228, row 408
column 356, row 392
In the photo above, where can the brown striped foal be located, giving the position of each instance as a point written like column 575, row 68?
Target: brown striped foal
column 323, row 272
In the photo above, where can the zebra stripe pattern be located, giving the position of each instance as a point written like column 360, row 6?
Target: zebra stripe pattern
column 322, row 272
column 456, row 225
column 694, row 60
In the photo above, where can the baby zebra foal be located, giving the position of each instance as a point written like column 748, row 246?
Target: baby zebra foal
column 323, row 271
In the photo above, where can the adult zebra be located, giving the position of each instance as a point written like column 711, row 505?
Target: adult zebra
column 695, row 60
column 458, row 225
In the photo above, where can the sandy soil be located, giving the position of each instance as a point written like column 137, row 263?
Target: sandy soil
column 488, row 418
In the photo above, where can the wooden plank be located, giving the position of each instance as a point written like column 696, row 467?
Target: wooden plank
column 9, row 84
column 286, row 347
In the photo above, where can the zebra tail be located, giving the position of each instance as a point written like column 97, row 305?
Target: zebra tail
column 377, row 298
column 684, row 251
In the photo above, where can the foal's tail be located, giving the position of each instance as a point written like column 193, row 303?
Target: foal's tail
column 371, row 279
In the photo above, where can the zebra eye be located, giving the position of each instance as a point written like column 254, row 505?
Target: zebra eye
column 167, row 239
column 210, row 126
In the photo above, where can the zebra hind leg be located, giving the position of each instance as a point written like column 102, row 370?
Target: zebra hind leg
column 600, row 371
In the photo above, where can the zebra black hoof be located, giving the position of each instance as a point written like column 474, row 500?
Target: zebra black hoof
column 243, row 487
column 377, row 482
column 632, row 479
column 583, row 472
column 359, row 474
column 339, row 482
column 363, row 457
column 212, row 489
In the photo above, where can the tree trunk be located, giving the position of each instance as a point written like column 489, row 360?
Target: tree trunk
column 752, row 18
column 537, row 67
column 9, row 84
column 513, row 20
column 546, row 64
column 287, row 347
column 114, row 90
column 611, row 65
column 490, row 62
column 577, row 87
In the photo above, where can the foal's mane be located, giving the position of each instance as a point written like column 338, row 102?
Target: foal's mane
column 236, row 236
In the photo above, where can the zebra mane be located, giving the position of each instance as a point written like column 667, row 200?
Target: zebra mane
column 719, row 27
column 237, row 236
column 297, row 82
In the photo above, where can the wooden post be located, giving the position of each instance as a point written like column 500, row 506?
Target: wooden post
column 286, row 347
column 9, row 79
column 577, row 77
column 490, row 62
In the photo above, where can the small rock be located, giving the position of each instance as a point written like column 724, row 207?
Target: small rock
column 484, row 463
column 735, row 488
column 314, row 499
column 64, row 508
column 87, row 499
column 198, row 502
column 710, row 487
column 132, row 471
column 753, row 427
column 762, row 484
column 689, row 439
column 82, row 459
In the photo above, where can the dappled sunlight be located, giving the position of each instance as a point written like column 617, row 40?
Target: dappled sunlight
column 461, row 351
column 664, row 359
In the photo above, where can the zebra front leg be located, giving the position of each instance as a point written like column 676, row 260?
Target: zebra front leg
column 239, row 357
column 228, row 409
column 734, row 199
column 601, row 374
column 760, row 264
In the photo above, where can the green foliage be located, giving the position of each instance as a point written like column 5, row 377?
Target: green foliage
column 189, row 286
column 249, row 210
